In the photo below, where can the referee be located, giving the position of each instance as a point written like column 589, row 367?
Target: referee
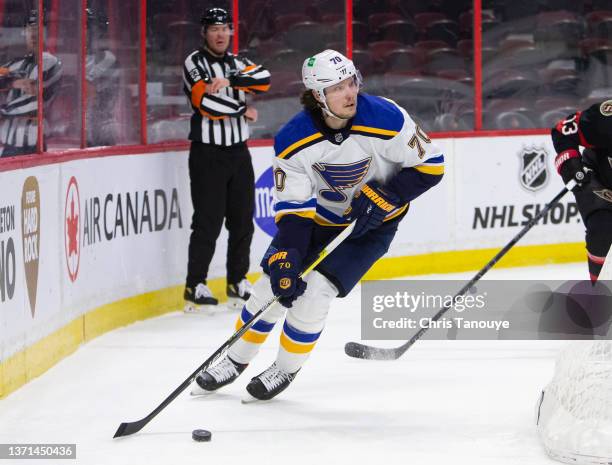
column 19, row 78
column 221, row 173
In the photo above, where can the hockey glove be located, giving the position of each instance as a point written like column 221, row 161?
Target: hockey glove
column 285, row 266
column 572, row 168
column 370, row 206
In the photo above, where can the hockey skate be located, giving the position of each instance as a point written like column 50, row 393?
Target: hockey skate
column 238, row 294
column 221, row 374
column 198, row 299
column 269, row 384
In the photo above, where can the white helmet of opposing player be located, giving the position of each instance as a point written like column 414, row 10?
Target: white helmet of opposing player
column 326, row 69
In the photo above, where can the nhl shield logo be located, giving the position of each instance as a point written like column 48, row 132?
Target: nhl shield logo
column 534, row 168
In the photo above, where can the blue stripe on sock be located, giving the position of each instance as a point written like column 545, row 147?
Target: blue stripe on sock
column 260, row 325
column 300, row 336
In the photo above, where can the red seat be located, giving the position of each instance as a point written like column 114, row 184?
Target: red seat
column 308, row 36
column 380, row 48
column 332, row 18
column 459, row 75
column 600, row 24
column 465, row 48
column 423, row 20
column 376, row 20
column 161, row 21
column 443, row 29
column 363, row 60
column 400, row 30
column 286, row 21
column 424, row 46
column 559, row 26
column 360, row 32
column 402, row 60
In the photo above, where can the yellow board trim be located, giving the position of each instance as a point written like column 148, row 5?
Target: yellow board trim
column 384, row 132
column 294, row 347
column 439, row 170
column 299, row 143
column 457, row 261
column 34, row 360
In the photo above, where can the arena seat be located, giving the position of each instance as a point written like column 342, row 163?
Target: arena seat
column 446, row 30
column 376, row 20
column 403, row 31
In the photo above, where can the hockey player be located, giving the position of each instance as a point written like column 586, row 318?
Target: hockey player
column 346, row 157
column 592, row 129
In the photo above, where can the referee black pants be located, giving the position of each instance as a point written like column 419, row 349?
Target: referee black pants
column 222, row 187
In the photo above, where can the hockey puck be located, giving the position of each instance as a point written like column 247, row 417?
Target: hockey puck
column 201, row 435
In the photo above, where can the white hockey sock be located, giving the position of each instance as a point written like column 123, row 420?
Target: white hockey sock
column 305, row 322
column 247, row 347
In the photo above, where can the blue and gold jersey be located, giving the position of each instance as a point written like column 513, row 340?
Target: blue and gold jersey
column 317, row 170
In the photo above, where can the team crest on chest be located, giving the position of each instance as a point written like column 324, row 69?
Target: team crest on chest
column 606, row 108
column 341, row 176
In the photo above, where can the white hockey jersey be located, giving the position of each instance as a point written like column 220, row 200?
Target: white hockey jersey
column 317, row 170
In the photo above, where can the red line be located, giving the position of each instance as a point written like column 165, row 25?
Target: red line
column 489, row 133
column 349, row 28
column 83, row 74
column 236, row 24
column 53, row 27
column 1, row 13
column 477, row 64
column 40, row 112
column 261, row 143
column 142, row 92
column 49, row 158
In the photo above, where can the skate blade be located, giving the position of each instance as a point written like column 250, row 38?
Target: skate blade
column 199, row 392
column 249, row 399
column 235, row 303
column 200, row 309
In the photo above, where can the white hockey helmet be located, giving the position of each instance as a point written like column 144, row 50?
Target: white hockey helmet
column 326, row 69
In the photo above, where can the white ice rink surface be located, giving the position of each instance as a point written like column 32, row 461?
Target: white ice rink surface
column 443, row 402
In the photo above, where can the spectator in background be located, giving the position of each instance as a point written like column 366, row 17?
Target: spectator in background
column 19, row 77
column 220, row 168
column 102, row 76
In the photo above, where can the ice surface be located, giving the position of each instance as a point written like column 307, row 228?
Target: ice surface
column 443, row 402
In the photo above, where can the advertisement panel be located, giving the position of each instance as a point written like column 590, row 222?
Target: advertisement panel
column 29, row 291
column 78, row 235
column 502, row 183
column 125, row 226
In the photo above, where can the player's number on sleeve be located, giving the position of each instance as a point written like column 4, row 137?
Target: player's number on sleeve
column 415, row 141
column 569, row 126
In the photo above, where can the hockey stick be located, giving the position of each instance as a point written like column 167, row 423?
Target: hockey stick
column 126, row 429
column 358, row 350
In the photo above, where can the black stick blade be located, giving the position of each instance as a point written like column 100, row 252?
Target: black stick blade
column 125, row 429
column 357, row 350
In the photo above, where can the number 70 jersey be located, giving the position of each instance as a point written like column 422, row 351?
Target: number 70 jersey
column 318, row 170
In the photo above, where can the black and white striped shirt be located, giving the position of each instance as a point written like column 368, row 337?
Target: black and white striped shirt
column 18, row 124
column 219, row 119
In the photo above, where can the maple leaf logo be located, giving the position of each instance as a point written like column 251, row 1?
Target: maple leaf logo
column 72, row 229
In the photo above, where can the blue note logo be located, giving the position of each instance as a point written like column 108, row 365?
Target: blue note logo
column 340, row 177
column 264, row 203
